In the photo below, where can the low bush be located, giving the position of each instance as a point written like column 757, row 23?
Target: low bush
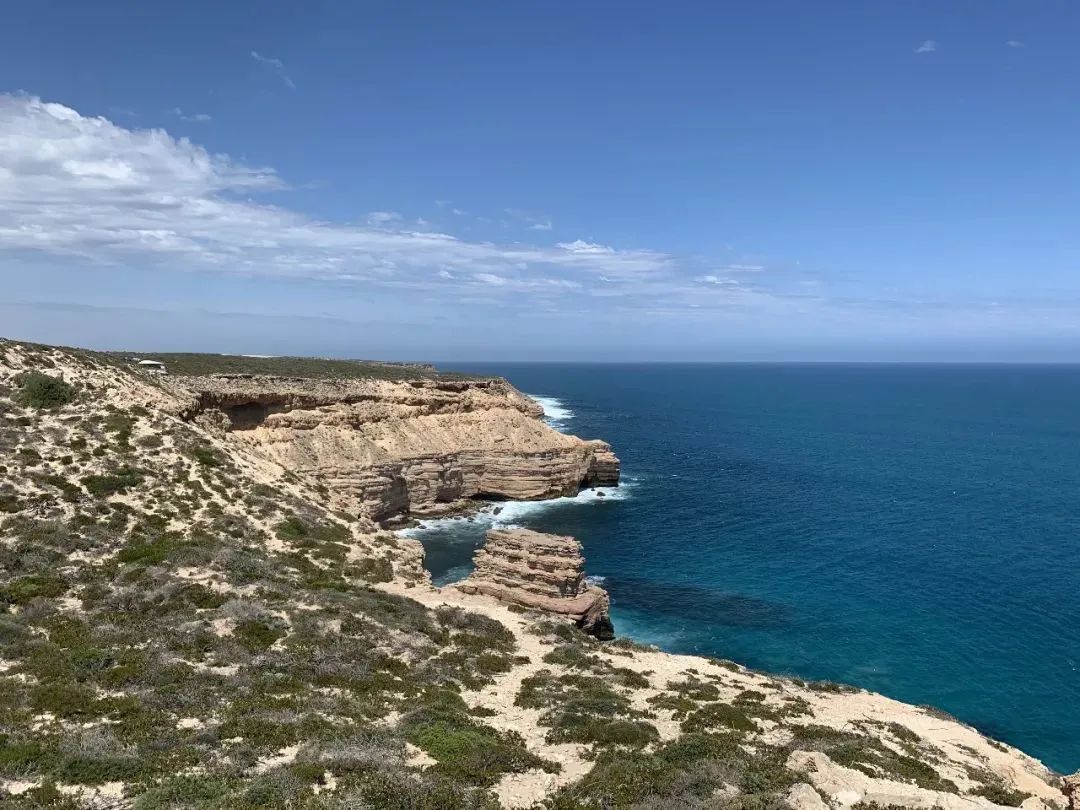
column 719, row 716
column 22, row 590
column 118, row 481
column 43, row 391
column 999, row 793
column 467, row 751
column 257, row 636
column 571, row 726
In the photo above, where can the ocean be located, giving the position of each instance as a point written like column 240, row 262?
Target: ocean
column 911, row 529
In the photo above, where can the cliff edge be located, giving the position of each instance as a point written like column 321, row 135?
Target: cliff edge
column 385, row 448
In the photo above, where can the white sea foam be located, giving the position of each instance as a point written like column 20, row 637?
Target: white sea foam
column 511, row 513
column 556, row 413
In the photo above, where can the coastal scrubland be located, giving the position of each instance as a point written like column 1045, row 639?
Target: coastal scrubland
column 196, row 364
column 187, row 622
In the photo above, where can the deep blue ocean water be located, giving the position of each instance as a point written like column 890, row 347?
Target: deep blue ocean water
column 914, row 530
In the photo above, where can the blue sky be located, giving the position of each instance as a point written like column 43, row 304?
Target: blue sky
column 524, row 180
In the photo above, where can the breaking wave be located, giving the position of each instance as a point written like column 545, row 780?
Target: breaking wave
column 510, row 513
column 556, row 414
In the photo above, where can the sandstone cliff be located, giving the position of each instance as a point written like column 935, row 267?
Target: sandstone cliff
column 387, row 447
column 543, row 572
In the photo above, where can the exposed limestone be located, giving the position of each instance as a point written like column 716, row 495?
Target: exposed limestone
column 390, row 447
column 803, row 797
column 1071, row 787
column 542, row 572
column 845, row 788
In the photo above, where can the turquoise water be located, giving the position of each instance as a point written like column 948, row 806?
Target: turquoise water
column 914, row 530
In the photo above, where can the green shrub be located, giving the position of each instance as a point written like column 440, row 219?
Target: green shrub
column 64, row 699
column 201, row 790
column 43, row 392
column 205, row 455
column 372, row 569
column 256, row 636
column 572, row 656
column 81, row 769
column 570, row 726
column 152, row 551
column 720, row 716
column 70, row 492
column 110, row 484
column 999, row 793
column 25, row 589
column 617, row 781
column 401, row 790
column 18, row 757
column 467, row 751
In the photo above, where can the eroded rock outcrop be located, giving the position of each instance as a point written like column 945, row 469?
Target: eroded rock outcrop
column 1070, row 785
column 542, row 572
column 389, row 447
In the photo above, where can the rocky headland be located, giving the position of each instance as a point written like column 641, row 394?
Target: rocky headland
column 199, row 607
column 385, row 448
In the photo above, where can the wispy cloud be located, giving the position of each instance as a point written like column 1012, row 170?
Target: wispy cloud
column 384, row 218
column 719, row 280
column 1015, row 43
column 533, row 223
column 927, row 46
column 197, row 118
column 275, row 65
column 93, row 191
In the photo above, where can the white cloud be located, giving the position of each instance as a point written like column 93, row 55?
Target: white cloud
column 275, row 65
column 1015, row 43
column 88, row 189
column 533, row 223
column 581, row 247
column 198, row 118
column 384, row 218
column 927, row 46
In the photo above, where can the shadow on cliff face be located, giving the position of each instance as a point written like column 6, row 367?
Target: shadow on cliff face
column 705, row 604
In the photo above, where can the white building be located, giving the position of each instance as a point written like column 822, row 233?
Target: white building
column 153, row 366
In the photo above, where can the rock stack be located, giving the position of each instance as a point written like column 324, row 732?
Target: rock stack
column 543, row 572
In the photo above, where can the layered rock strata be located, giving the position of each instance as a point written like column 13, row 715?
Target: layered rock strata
column 543, row 572
column 389, row 447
